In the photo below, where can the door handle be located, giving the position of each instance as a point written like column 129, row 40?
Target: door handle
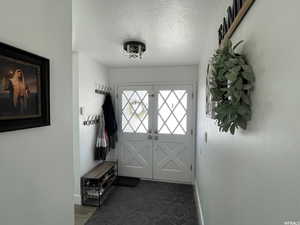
column 155, row 135
column 150, row 137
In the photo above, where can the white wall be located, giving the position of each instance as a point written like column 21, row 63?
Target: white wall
column 90, row 73
column 36, row 170
column 153, row 74
column 253, row 177
column 76, row 134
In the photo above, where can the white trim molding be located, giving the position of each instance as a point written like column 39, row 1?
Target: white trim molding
column 77, row 199
column 198, row 203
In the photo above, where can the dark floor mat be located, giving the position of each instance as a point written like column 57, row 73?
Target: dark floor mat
column 150, row 203
column 127, row 181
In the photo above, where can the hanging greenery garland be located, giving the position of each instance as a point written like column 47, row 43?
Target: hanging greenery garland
column 231, row 84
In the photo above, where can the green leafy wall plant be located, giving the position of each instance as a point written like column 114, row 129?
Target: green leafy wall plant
column 231, row 83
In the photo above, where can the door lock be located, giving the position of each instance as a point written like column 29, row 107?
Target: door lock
column 155, row 135
column 150, row 134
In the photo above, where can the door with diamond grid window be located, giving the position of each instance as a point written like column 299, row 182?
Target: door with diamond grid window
column 173, row 141
column 135, row 152
column 156, row 141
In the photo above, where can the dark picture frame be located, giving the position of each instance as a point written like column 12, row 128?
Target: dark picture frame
column 24, row 89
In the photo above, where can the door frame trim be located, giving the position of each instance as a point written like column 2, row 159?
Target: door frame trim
column 116, row 87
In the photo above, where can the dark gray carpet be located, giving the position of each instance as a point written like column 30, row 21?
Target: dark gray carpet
column 150, row 203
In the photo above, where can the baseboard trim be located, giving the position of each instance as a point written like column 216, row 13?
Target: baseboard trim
column 77, row 199
column 167, row 181
column 198, row 203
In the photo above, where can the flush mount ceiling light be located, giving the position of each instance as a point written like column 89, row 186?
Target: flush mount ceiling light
column 135, row 49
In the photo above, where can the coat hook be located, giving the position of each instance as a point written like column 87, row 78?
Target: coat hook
column 93, row 120
column 86, row 121
column 90, row 120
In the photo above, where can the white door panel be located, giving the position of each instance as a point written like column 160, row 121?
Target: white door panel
column 136, row 158
column 172, row 161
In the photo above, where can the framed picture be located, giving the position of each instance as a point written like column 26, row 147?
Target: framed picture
column 24, row 89
column 210, row 104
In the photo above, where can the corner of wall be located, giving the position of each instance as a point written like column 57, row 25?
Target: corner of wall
column 77, row 199
column 198, row 203
column 90, row 73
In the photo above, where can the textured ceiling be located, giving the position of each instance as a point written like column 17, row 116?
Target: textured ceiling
column 171, row 30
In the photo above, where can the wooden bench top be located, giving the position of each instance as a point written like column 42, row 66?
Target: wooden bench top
column 99, row 170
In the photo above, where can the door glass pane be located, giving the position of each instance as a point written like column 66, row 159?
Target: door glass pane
column 135, row 105
column 172, row 112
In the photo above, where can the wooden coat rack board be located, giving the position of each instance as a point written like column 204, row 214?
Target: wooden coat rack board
column 235, row 15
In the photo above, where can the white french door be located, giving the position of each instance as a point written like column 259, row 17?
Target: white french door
column 156, row 141
column 173, row 140
column 135, row 151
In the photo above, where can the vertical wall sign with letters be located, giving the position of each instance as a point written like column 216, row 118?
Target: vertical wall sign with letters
column 235, row 15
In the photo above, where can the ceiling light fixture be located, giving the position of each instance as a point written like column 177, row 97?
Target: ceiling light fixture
column 135, row 49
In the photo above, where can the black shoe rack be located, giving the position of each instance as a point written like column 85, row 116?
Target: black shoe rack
column 97, row 184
